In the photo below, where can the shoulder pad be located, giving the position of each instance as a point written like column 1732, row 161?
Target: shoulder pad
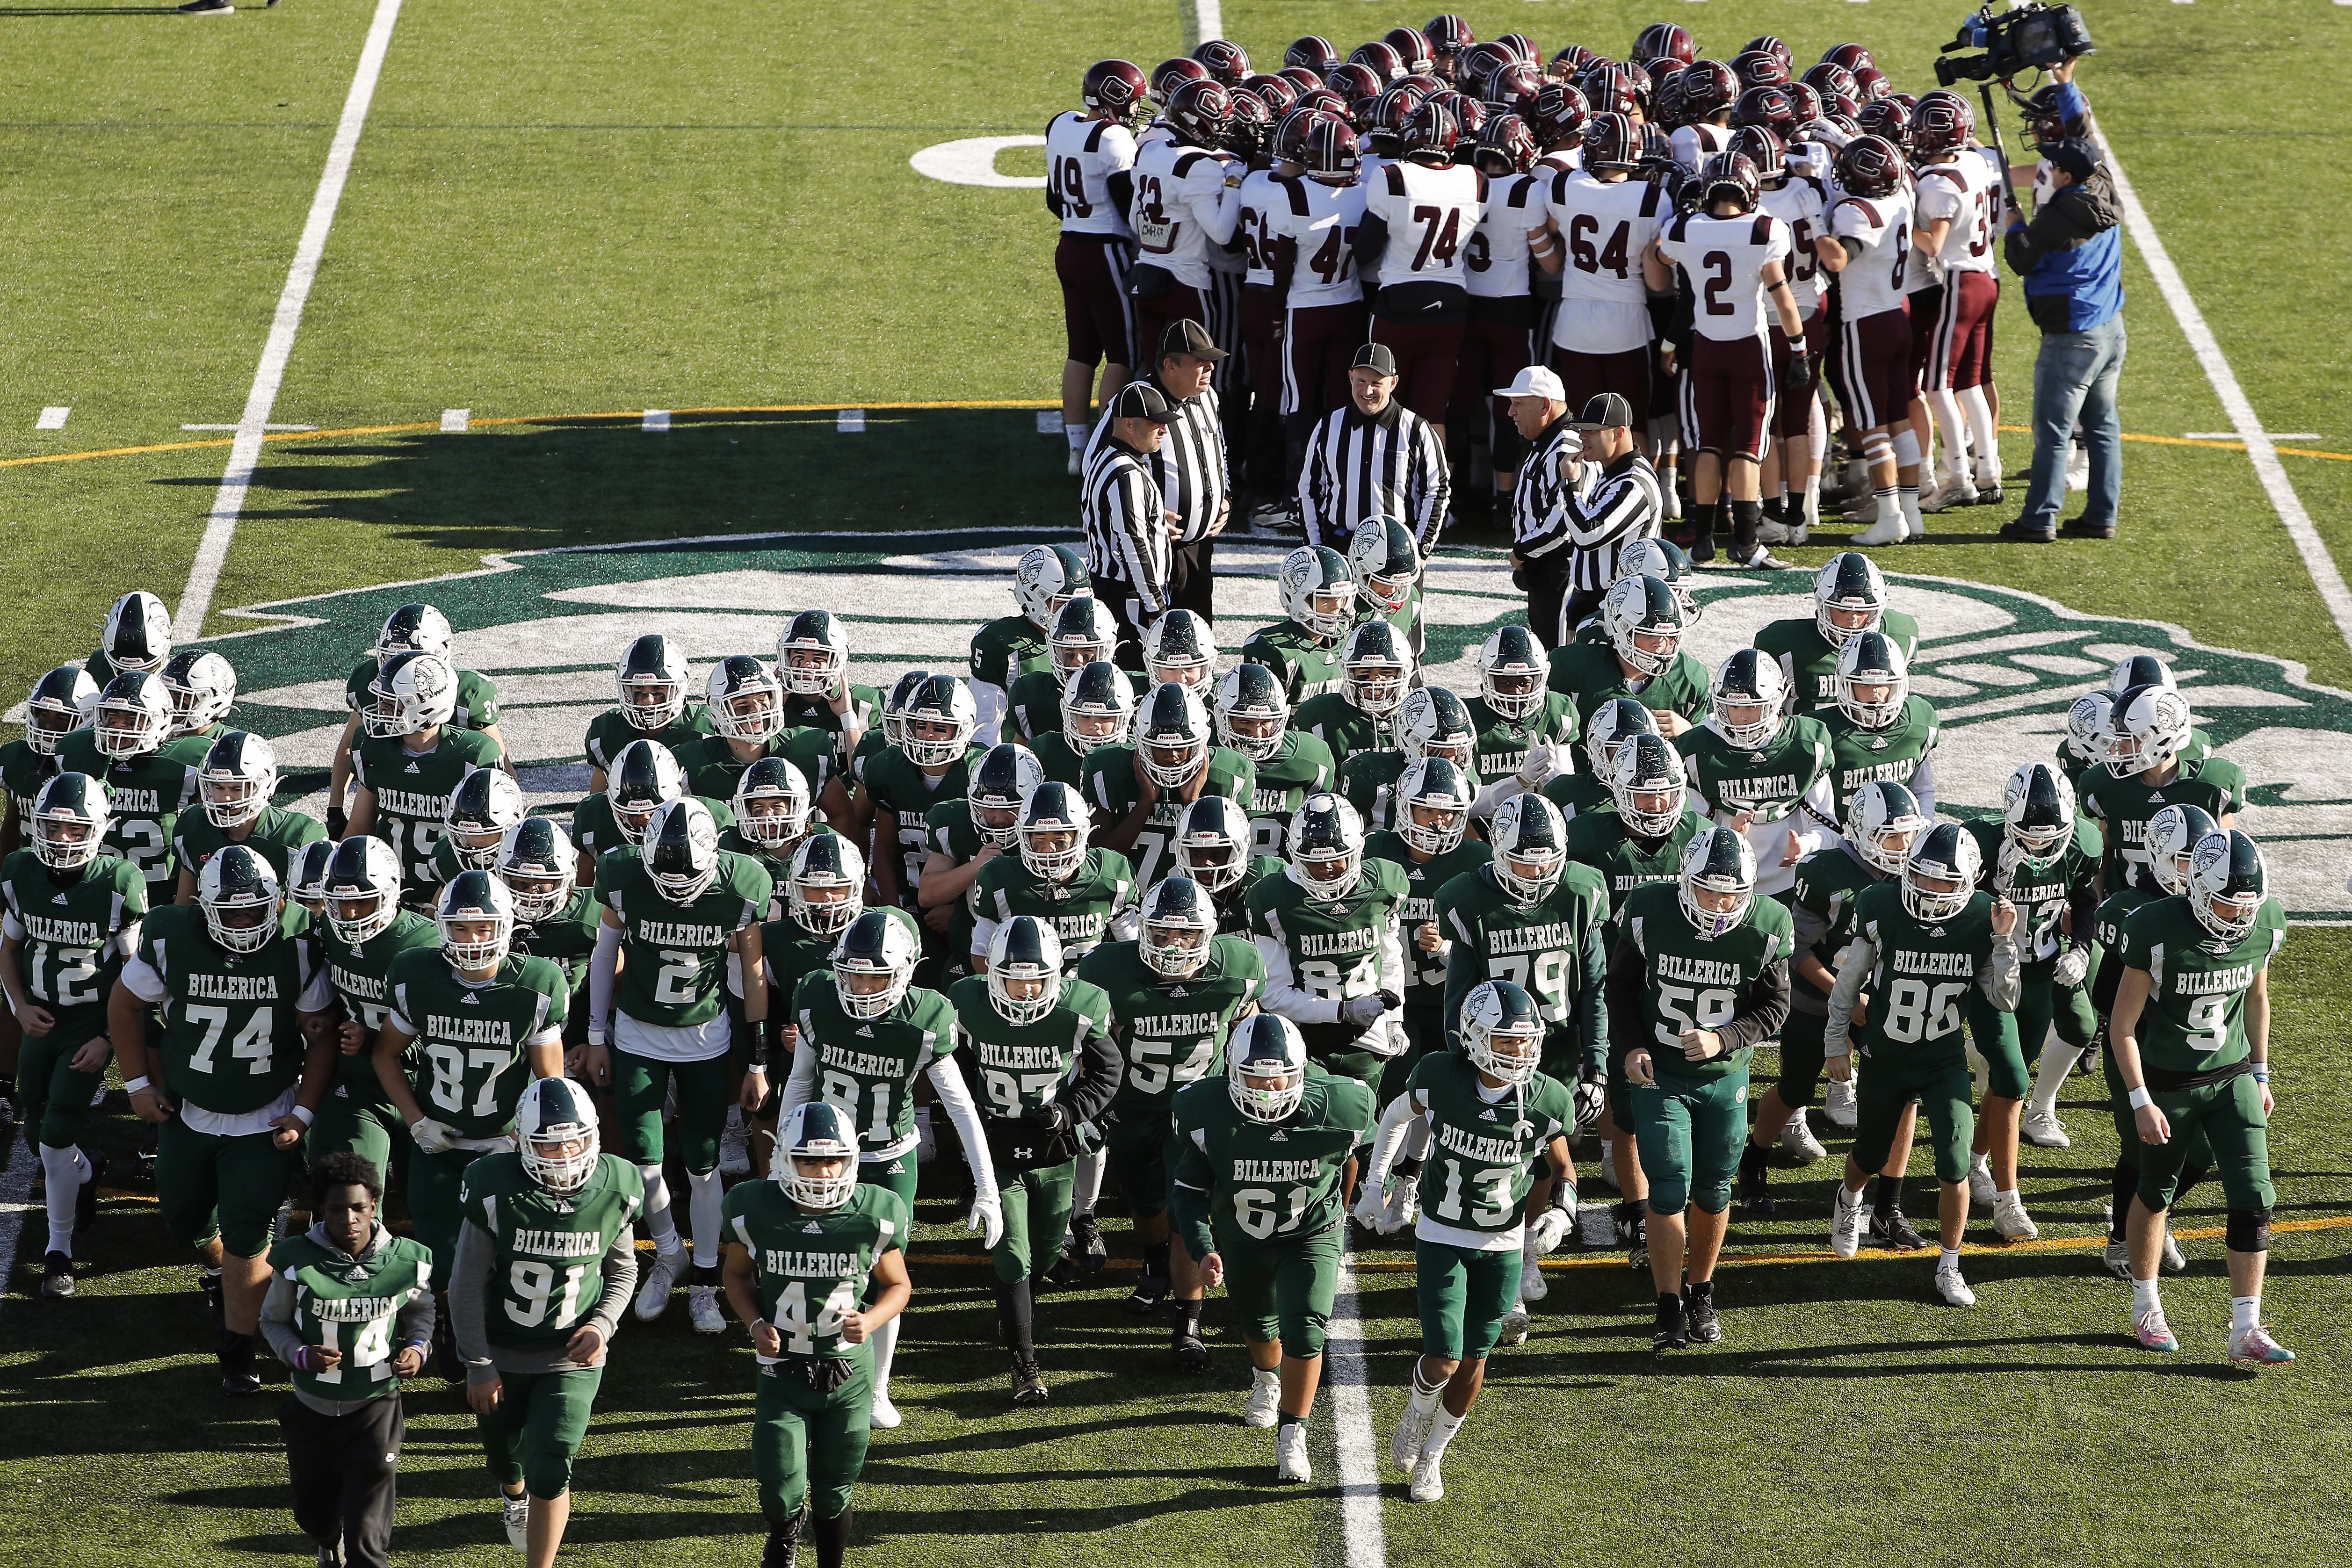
column 1094, row 136
column 1650, row 200
column 1184, row 162
column 1394, row 174
column 1761, row 232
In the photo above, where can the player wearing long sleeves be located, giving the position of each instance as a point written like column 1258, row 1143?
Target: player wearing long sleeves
column 1760, row 771
column 1329, row 935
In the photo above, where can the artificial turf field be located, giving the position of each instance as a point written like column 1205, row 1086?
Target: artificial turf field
column 559, row 211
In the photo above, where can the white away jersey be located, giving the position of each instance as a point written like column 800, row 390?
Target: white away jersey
column 1261, row 193
column 1430, row 214
column 1876, row 233
column 1319, row 221
column 1182, row 206
column 1799, row 204
column 1497, row 262
column 1604, row 228
column 1725, row 260
column 1968, row 192
column 1695, row 144
column 1081, row 155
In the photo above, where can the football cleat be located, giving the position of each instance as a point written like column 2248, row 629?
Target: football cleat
column 57, row 1276
column 1427, row 1485
column 1411, row 1432
column 2174, row 1260
column 1700, row 1319
column 2043, row 1129
column 1893, row 1228
column 1838, row 1104
column 1953, row 1290
column 2009, row 1219
column 514, row 1512
column 2255, row 1347
column 883, row 1413
column 1799, row 1140
column 702, row 1309
column 1637, row 1242
column 1981, row 1188
column 1028, row 1382
column 1151, row 1289
column 734, row 1151
column 2117, row 1261
column 1846, row 1215
column 654, row 1285
column 1087, row 1247
column 1263, row 1407
column 1291, row 1467
column 1752, row 1190
column 1191, row 1355
column 1671, row 1332
column 1515, row 1326
column 2153, row 1332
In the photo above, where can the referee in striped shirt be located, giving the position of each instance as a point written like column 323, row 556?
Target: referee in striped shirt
column 1373, row 457
column 1583, row 492
column 1190, row 467
column 1128, row 525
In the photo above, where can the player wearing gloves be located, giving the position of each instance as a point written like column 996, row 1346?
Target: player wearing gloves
column 863, row 1031
column 1261, row 1159
column 1502, row 1193
column 362, row 929
column 1517, row 718
column 1328, row 933
column 1700, row 979
column 1760, row 771
column 1041, row 1055
column 1138, row 792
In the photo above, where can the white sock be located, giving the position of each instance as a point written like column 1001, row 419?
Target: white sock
column 2245, row 1313
column 1981, row 1162
column 1998, row 1194
column 1088, row 1186
column 1077, row 433
column 1907, row 496
column 2057, row 1061
column 1983, row 433
column 2143, row 1300
column 65, row 1170
column 1261, row 1378
column 1813, row 500
column 1890, row 508
column 885, row 1350
column 659, row 1223
column 1951, row 1259
column 705, row 1192
column 1440, row 1432
column 1424, row 1400
column 1951, row 427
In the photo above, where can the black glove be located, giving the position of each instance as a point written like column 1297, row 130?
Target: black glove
column 339, row 821
column 1797, row 374
column 1590, row 1097
column 1053, row 1118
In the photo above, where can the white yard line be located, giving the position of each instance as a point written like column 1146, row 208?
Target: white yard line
column 654, row 419
column 245, row 452
column 850, row 422
column 16, row 1204
column 455, row 421
column 1352, row 1437
column 53, row 417
column 1207, row 21
column 2325, row 576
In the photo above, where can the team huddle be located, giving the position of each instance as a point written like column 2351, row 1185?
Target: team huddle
column 1707, row 239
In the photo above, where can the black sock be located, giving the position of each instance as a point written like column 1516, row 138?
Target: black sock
column 236, row 1354
column 702, row 1274
column 2120, row 1191
column 1188, row 1320
column 1744, row 516
column 1703, row 515
column 1751, row 1160
column 1670, row 1303
column 1888, row 1197
column 832, row 1538
column 1155, row 1260
column 1775, row 509
column 1699, row 1290
column 1013, row 1308
column 2190, row 1175
column 782, row 1539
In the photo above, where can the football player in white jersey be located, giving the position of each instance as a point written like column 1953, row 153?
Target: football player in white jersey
column 1090, row 154
column 1958, row 196
column 1792, row 468
column 1262, row 460
column 1869, row 248
column 1736, row 258
column 1187, row 198
column 1420, row 215
column 1500, row 340
column 1708, row 90
column 1601, row 223
column 1323, row 315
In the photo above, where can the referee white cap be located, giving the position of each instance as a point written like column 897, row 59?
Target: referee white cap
column 1536, row 381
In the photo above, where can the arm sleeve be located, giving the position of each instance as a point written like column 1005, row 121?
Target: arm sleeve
column 277, row 1318
column 620, row 1267
column 1283, row 996
column 140, row 978
column 1120, row 183
column 1387, row 1138
column 602, row 969
column 1923, row 785
column 2000, row 978
column 988, row 702
column 1188, row 1198
column 1853, row 970
column 1371, row 238
column 1218, row 207
column 1809, row 925
column 947, row 1081
column 1100, row 1067
column 416, row 1319
column 1767, row 1010
column 1393, row 979
column 468, row 1288
column 1625, row 1009
column 1464, row 967
column 800, row 1086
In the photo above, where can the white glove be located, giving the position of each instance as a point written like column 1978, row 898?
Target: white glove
column 1370, row 1205
column 1550, row 1228
column 1363, row 1012
column 987, row 1217
column 1540, row 765
column 2072, row 964
column 433, row 1137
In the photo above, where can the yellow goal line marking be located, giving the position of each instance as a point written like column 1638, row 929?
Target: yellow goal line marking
column 434, row 426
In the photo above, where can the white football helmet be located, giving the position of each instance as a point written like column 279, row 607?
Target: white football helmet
column 202, row 689
column 1645, row 623
column 1940, row 875
column 1378, row 666
column 1318, row 591
column 1885, row 820
column 645, row 773
column 138, row 632
column 485, row 804
column 681, row 849
column 1873, row 681
column 1386, row 560
column 555, row 1134
column 1432, row 805
column 1327, row 847
column 1048, row 577
column 410, row 694
column 1085, row 632
column 1171, row 735
column 63, row 701
column 238, row 893
column 540, row 867
column 413, row 628
column 745, row 699
column 1252, row 711
column 1001, row 782
column 134, row 716
column 651, row 679
column 236, row 778
column 1179, row 922
column 1433, row 722
column 1849, row 596
column 1613, row 723
column 812, row 654
column 1511, row 673
column 1649, row 786
column 874, row 963
column 2172, row 837
column 825, row 885
column 475, row 898
column 1213, row 843
column 940, row 722
column 772, row 804
column 1182, row 648
column 1097, row 708
column 1748, row 699
column 1530, row 843
column 1717, row 862
column 1265, row 1069
column 820, row 1132
column 1502, row 1030
column 360, row 889
column 1053, row 829
column 2145, row 730
column 1024, row 949
column 71, row 816
column 2227, row 885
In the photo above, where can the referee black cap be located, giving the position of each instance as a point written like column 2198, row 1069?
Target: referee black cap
column 1141, row 400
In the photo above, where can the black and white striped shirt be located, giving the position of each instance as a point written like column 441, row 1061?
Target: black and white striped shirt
column 1120, row 509
column 1358, row 468
column 1588, row 508
column 1190, row 467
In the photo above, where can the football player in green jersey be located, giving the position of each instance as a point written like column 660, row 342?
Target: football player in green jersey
column 2173, row 835
column 644, row 775
column 485, row 804
column 203, row 688
column 824, row 891
column 1432, row 846
column 1260, row 1161
column 1010, row 646
column 932, row 763
column 2148, row 670
column 233, row 1077
column 135, row 636
column 1041, row 1058
column 746, row 704
column 966, row 835
column 1882, row 822
column 772, row 811
column 1504, row 1195
column 361, row 930
column 1375, row 669
column 70, row 917
column 350, row 1312
column 1180, row 647
column 2191, row 1036
column 816, row 1264
column 235, row 782
column 546, row 1260
column 1328, row 933
column 681, row 931
column 1084, row 633
column 1174, row 993
column 1643, row 659
column 1513, row 714
column 1530, row 917
column 473, row 700
column 1253, row 718
column 1762, row 771
column 1606, row 732
column 555, row 918
column 1878, row 731
column 863, row 1032
column 411, row 763
column 1087, row 892
column 122, row 750
column 1213, row 846
column 1849, row 598
column 1699, row 980
column 2145, row 752
column 1098, row 710
column 812, row 661
column 1139, row 793
column 652, row 680
column 1930, row 953
column 63, row 701
column 1432, row 722
column 1386, row 560
column 2045, row 859
column 1317, row 591
column 1659, row 557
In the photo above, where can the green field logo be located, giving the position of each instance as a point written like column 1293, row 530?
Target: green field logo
column 2001, row 667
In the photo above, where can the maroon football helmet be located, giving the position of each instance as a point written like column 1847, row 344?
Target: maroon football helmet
column 1301, row 79
column 1429, row 133
column 1201, row 110
column 1888, row 118
column 1514, row 87
column 1772, row 106
column 1943, row 123
column 1385, row 62
column 1312, row 53
column 1384, row 120
column 1169, row 75
column 1470, row 119
column 1729, row 176
column 1708, row 89
column 1356, row 84
column 1411, row 48
column 1762, row 146
column 1227, row 61
column 1803, row 102
column 1872, row 83
column 1290, row 136
column 1609, row 89
column 1666, row 106
column 1832, row 80
column 1663, row 41
column 1332, row 156
column 1507, row 146
column 1475, row 66
column 1448, row 35
column 1322, row 100
column 1114, row 84
column 1852, row 56
column 1754, row 68
column 1522, row 47
column 1557, row 114
column 1870, row 166
column 1610, row 141
column 1280, row 96
column 1776, row 47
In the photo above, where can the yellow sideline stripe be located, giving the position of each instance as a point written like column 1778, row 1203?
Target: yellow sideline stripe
column 434, row 426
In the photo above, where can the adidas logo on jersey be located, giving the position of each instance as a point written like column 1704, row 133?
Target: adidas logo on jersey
column 811, row 1228
column 411, row 767
column 1277, row 1137
column 1178, row 991
column 1878, row 743
column 1487, row 1114
column 866, row 1031
column 60, row 898
column 472, row 1000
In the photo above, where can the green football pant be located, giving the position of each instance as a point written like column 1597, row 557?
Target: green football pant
column 370, row 1129
column 1463, row 1296
column 1803, row 1039
column 1036, row 1206
column 1690, row 1131
column 212, row 1187
column 2196, row 1151
column 1138, row 1151
column 1946, row 1097
column 641, row 1090
column 535, row 1431
column 897, row 1174
column 2042, row 1002
column 433, row 1212
column 1997, row 1040
column 1283, row 1289
column 806, row 1445
column 53, row 1100
column 1366, row 1067
column 2229, row 1115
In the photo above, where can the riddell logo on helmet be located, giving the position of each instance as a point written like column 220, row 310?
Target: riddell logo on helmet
column 2001, row 667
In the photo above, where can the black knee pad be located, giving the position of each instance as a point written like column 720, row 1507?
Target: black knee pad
column 2249, row 1231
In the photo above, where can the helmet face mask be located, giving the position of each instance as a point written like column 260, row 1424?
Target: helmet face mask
column 476, row 916
column 2146, row 727
column 1265, row 1069
column 1179, row 923
column 1649, row 787
column 1874, row 683
column 1171, row 736
column 746, row 701
column 1530, row 853
column 1318, row 591
column 239, row 896
column 2038, row 811
column 873, row 964
column 772, row 804
column 201, row 687
column 1327, row 847
column 411, row 694
column 1718, row 882
column 556, row 1134
column 1053, row 832
column 824, row 885
column 1940, row 877
column 1024, row 969
column 1646, row 625
column 939, row 724
column 1502, row 1031
column 1433, row 805
column 1212, row 844
column 1097, row 708
column 134, row 716
column 361, row 890
column 64, row 700
column 813, row 654
column 1376, row 669
column 1511, row 674
column 2227, row 885
column 1252, row 711
column 69, row 819
column 1883, row 821
column 536, row 861
column 236, row 779
column 650, row 680
column 1747, row 699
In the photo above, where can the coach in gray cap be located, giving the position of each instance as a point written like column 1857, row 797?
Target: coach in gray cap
column 1583, row 492
column 1128, row 524
column 1188, row 464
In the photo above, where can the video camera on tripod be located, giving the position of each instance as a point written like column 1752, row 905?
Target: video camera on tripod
column 2032, row 38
